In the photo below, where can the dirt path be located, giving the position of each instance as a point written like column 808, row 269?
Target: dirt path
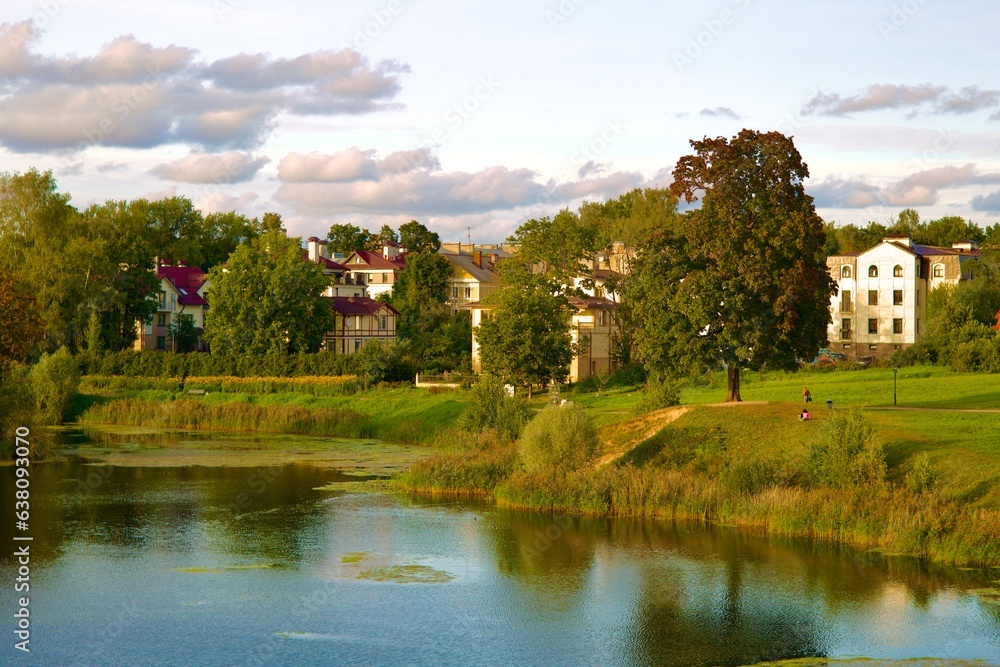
column 620, row 438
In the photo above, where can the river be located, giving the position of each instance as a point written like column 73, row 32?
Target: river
column 222, row 565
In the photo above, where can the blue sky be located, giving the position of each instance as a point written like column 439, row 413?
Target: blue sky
column 480, row 115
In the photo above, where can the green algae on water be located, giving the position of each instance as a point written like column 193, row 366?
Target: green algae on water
column 406, row 574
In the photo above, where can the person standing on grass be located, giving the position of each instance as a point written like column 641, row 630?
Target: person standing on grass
column 806, row 396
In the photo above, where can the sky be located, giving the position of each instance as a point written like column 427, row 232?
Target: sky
column 472, row 117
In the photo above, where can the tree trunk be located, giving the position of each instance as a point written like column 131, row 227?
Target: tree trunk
column 529, row 391
column 733, row 395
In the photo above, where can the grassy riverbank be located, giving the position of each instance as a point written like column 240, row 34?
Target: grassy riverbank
column 746, row 465
column 402, row 415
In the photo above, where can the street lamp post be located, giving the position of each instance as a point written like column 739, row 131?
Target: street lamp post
column 894, row 372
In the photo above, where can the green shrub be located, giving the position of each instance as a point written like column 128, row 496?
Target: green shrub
column 848, row 455
column 54, row 383
column 749, row 475
column 490, row 407
column 17, row 406
column 659, row 393
column 559, row 437
column 921, row 477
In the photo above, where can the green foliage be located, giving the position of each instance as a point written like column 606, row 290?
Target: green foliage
column 942, row 232
column 490, row 407
column 379, row 361
column 921, row 476
column 20, row 323
column 744, row 281
column 156, row 364
column 552, row 252
column 558, row 438
column 417, row 238
column 660, row 392
column 54, row 383
column 347, row 238
column 749, row 475
column 184, row 334
column 526, row 339
column 849, row 454
column 17, row 405
column 268, row 300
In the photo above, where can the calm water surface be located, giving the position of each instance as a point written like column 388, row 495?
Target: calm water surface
column 238, row 566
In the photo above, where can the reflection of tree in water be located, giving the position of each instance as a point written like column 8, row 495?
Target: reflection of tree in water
column 548, row 555
column 254, row 513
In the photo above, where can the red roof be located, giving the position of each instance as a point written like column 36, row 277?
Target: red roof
column 997, row 325
column 359, row 305
column 376, row 261
column 187, row 280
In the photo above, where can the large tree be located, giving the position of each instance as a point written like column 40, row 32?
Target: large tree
column 222, row 233
column 743, row 282
column 268, row 299
column 416, row 238
column 347, row 238
column 526, row 339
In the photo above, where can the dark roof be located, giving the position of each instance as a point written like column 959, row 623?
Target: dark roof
column 359, row 305
column 187, row 280
column 925, row 250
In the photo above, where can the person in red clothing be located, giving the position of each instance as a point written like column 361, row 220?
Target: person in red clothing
column 805, row 416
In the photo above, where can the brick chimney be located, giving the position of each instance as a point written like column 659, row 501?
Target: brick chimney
column 477, row 258
column 494, row 258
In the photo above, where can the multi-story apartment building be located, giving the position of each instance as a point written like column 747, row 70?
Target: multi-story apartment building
column 342, row 282
column 881, row 298
column 473, row 273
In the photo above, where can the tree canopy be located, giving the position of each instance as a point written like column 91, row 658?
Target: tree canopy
column 742, row 280
column 417, row 238
column 268, row 300
column 347, row 238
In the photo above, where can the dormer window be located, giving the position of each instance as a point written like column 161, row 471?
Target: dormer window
column 873, row 271
column 845, row 271
column 938, row 271
column 897, row 271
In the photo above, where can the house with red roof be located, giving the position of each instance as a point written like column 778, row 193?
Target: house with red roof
column 881, row 301
column 183, row 292
column 342, row 283
column 378, row 272
column 359, row 320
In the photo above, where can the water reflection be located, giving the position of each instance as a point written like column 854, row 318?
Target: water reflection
column 525, row 588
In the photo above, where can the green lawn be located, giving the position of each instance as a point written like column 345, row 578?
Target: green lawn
column 919, row 386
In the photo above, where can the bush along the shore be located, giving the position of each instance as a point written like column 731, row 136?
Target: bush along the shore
column 839, row 493
column 54, row 381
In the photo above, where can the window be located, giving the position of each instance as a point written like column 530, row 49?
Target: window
column 468, row 292
column 897, row 271
column 602, row 317
column 845, row 301
column 897, row 347
column 916, row 327
column 897, row 297
column 598, row 290
column 161, row 319
column 847, row 346
column 920, row 270
column 917, row 298
column 938, row 271
column 383, row 323
column 370, row 277
column 357, row 345
column 873, row 271
column 161, row 342
column 845, row 271
column 873, row 326
column 897, row 325
column 454, row 291
column 845, row 329
column 873, row 347
column 872, row 297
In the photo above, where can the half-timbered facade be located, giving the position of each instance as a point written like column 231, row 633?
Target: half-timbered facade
column 359, row 320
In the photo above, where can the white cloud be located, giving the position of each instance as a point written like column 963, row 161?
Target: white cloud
column 724, row 112
column 132, row 94
column 223, row 203
column 413, row 183
column 233, row 167
column 922, row 188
